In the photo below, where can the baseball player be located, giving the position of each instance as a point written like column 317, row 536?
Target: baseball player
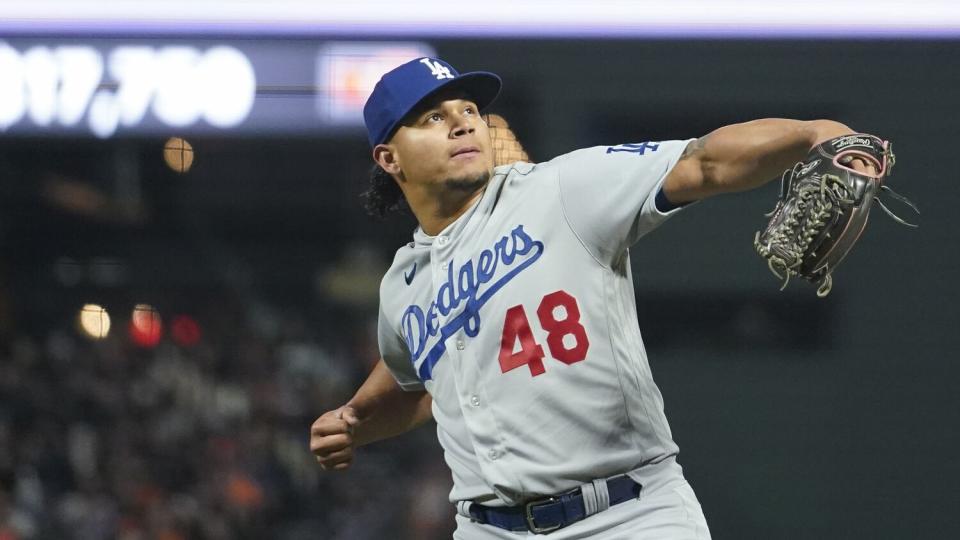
column 510, row 316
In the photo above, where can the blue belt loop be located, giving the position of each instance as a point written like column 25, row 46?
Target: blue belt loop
column 463, row 508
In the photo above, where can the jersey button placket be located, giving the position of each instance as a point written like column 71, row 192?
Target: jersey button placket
column 440, row 255
column 477, row 416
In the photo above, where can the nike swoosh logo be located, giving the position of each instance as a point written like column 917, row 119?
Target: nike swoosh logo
column 409, row 277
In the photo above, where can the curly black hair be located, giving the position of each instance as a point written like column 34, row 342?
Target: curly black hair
column 384, row 195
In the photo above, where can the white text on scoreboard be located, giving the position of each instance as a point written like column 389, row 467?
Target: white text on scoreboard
column 76, row 85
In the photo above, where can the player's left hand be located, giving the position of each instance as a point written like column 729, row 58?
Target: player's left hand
column 331, row 438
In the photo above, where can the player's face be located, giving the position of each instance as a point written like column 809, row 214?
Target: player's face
column 445, row 145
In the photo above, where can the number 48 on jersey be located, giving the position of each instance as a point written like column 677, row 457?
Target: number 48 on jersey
column 516, row 327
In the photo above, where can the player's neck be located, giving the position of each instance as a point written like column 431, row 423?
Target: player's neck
column 435, row 213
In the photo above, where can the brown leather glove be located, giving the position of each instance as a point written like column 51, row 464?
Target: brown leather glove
column 823, row 208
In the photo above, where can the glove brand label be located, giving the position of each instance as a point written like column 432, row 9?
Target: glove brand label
column 496, row 266
column 852, row 140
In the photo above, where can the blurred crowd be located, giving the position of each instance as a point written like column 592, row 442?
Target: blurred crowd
column 104, row 439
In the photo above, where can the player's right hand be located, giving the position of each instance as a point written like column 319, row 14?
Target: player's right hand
column 331, row 438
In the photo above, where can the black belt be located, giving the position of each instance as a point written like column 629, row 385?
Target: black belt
column 548, row 514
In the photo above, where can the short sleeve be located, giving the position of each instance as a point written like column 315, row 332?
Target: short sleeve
column 608, row 193
column 396, row 356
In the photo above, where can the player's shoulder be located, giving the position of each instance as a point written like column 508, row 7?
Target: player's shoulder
column 623, row 151
column 581, row 154
column 522, row 173
column 581, row 159
column 516, row 169
column 525, row 169
column 515, row 179
column 626, row 160
column 524, row 176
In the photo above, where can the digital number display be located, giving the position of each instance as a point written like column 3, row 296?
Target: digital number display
column 179, row 85
column 106, row 88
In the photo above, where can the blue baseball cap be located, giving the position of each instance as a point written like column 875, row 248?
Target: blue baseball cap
column 400, row 90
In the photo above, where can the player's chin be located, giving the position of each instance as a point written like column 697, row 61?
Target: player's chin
column 469, row 180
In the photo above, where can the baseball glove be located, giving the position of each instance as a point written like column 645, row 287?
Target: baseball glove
column 506, row 147
column 823, row 208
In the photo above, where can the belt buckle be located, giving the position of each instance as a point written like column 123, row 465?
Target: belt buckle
column 528, row 515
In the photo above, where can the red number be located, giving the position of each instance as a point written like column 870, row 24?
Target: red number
column 568, row 326
column 516, row 326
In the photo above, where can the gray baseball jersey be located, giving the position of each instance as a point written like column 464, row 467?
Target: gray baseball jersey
column 519, row 319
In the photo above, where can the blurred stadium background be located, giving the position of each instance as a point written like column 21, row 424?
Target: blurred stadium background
column 187, row 278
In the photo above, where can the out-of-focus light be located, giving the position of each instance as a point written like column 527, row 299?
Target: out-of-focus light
column 178, row 154
column 41, row 80
column 94, row 321
column 498, row 18
column 348, row 71
column 228, row 84
column 185, row 331
column 57, row 86
column 13, row 98
column 145, row 326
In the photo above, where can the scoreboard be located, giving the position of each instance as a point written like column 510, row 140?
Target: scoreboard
column 105, row 68
column 106, row 87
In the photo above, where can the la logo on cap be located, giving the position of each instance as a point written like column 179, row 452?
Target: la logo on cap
column 437, row 69
column 400, row 90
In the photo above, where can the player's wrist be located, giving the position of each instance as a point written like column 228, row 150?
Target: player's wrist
column 358, row 410
column 819, row 131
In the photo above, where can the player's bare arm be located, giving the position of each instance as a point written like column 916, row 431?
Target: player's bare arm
column 380, row 409
column 744, row 156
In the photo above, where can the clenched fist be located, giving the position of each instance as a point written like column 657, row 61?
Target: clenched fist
column 331, row 438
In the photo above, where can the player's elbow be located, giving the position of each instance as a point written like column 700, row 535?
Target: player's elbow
column 823, row 130
column 716, row 178
column 692, row 180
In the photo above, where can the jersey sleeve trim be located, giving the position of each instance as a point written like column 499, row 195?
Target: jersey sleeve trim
column 663, row 204
column 411, row 386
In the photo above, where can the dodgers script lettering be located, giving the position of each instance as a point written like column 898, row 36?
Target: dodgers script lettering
column 491, row 270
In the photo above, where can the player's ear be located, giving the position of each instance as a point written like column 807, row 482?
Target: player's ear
column 385, row 156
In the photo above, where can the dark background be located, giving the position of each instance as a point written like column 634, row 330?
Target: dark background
column 797, row 417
